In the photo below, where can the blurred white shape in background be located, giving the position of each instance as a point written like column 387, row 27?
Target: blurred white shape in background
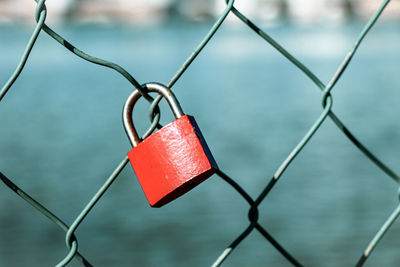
column 308, row 11
column 260, row 11
column 150, row 12
column 16, row 11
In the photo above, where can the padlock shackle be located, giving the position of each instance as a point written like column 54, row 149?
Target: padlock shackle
column 130, row 102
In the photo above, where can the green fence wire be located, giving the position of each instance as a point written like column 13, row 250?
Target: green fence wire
column 326, row 100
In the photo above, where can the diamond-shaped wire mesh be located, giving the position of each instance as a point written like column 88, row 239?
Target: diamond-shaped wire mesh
column 252, row 201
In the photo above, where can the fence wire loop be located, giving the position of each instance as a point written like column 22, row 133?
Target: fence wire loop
column 41, row 7
column 253, row 213
column 154, row 116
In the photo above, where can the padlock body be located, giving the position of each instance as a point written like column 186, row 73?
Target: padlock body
column 172, row 161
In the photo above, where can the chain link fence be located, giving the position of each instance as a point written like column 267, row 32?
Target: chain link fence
column 253, row 201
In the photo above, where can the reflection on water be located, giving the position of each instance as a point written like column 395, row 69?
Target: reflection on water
column 62, row 135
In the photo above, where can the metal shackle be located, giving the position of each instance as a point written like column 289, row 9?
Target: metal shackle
column 130, row 102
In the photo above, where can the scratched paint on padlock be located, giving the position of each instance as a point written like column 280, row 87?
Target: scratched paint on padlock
column 172, row 161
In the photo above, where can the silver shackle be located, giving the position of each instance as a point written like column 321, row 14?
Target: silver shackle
column 130, row 103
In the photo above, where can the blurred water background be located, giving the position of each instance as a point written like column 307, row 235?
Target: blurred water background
column 62, row 136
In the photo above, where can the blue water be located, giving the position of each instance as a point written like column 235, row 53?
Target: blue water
column 62, row 136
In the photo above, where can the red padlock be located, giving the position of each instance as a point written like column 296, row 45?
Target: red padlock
column 174, row 159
